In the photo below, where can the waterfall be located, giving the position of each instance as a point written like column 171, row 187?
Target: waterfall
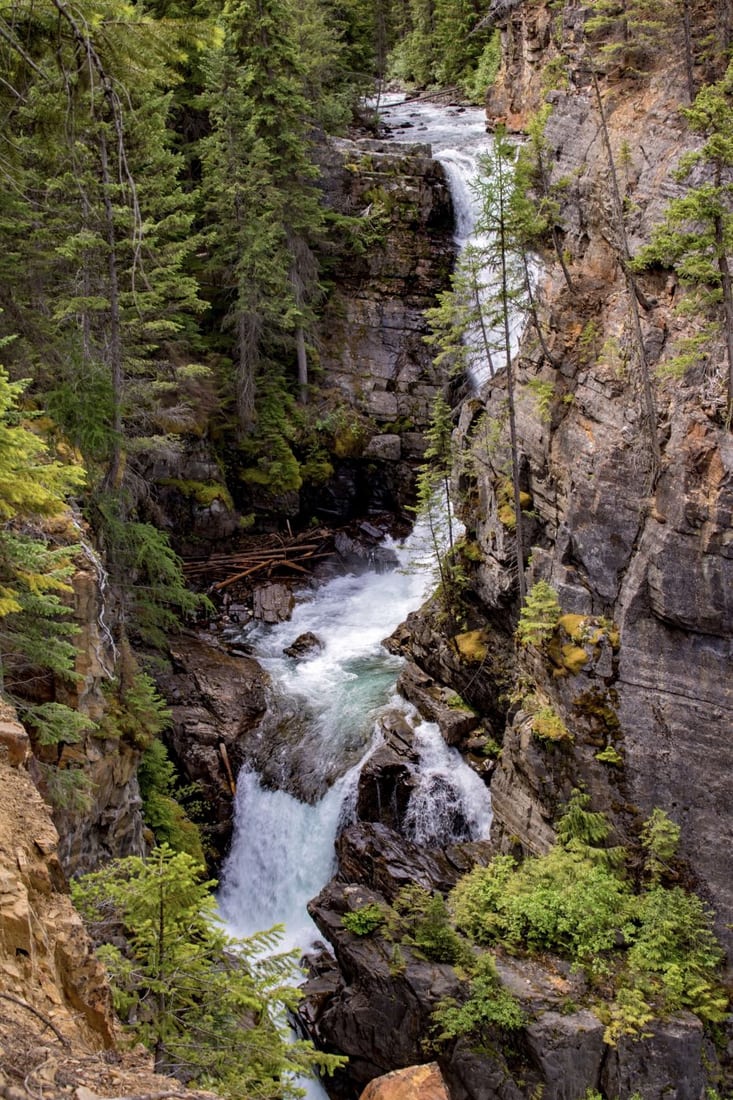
column 283, row 849
column 458, row 137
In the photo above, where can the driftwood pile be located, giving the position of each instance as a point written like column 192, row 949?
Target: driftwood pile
column 263, row 558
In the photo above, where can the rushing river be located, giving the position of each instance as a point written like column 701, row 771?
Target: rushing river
column 283, row 848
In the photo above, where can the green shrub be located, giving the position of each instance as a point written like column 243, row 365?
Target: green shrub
column 364, row 921
column 424, row 923
column 162, row 810
column 674, row 955
column 539, row 615
column 489, row 1006
column 135, row 710
column 655, row 951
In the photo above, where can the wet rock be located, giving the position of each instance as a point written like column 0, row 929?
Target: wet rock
column 438, row 704
column 381, row 1013
column 361, row 551
column 371, row 854
column 669, row 1062
column 216, row 699
column 568, row 1051
column 304, row 645
column 385, row 448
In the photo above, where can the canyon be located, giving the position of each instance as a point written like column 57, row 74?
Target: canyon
column 638, row 550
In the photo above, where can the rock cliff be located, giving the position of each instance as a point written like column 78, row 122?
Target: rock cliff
column 638, row 549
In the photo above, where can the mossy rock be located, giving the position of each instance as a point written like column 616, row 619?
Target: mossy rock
column 204, row 493
column 472, row 645
column 549, row 726
column 574, row 658
column 575, row 626
column 610, row 755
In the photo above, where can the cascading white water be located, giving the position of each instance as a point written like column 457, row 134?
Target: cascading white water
column 283, row 849
column 458, row 139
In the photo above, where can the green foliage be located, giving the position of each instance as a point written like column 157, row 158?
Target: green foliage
column 610, row 755
column 674, row 956
column 55, row 723
column 135, row 711
column 163, row 803
column 146, row 570
column 543, row 393
column 213, row 1009
column 655, row 950
column 424, row 924
column 549, row 726
column 539, row 615
column 35, row 634
column 489, row 1007
column 68, row 789
column 696, row 235
column 363, row 921
column 660, row 838
column 477, row 83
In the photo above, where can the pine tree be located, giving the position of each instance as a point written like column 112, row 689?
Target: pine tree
column 104, row 230
column 696, row 236
column 262, row 201
column 212, row 1009
column 502, row 221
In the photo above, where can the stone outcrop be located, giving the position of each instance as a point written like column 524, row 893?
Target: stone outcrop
column 46, row 959
column 216, row 701
column 413, row 1083
column 371, row 333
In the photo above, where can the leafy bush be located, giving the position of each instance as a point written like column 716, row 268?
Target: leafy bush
column 363, row 921
column 135, row 710
column 657, row 947
column 162, row 810
column 489, row 1006
column 424, row 924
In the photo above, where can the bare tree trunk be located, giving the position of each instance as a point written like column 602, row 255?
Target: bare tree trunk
column 519, row 529
column 689, row 53
column 248, row 333
column 114, row 343
column 727, row 286
column 644, row 370
column 302, row 365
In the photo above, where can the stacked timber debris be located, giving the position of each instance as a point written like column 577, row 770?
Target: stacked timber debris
column 262, row 558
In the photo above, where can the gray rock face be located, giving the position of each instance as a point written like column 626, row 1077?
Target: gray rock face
column 216, row 700
column 371, row 336
column 568, row 1052
column 667, row 1063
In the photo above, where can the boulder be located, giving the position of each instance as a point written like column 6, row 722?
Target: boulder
column 414, row 1083
column 304, row 645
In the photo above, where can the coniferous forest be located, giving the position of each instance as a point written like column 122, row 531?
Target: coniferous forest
column 171, row 256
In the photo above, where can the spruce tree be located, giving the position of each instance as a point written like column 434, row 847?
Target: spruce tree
column 696, row 236
column 212, row 1009
column 261, row 196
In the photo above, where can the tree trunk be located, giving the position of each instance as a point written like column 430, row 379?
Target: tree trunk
column 302, row 366
column 689, row 54
column 727, row 285
column 114, row 345
column 519, row 529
